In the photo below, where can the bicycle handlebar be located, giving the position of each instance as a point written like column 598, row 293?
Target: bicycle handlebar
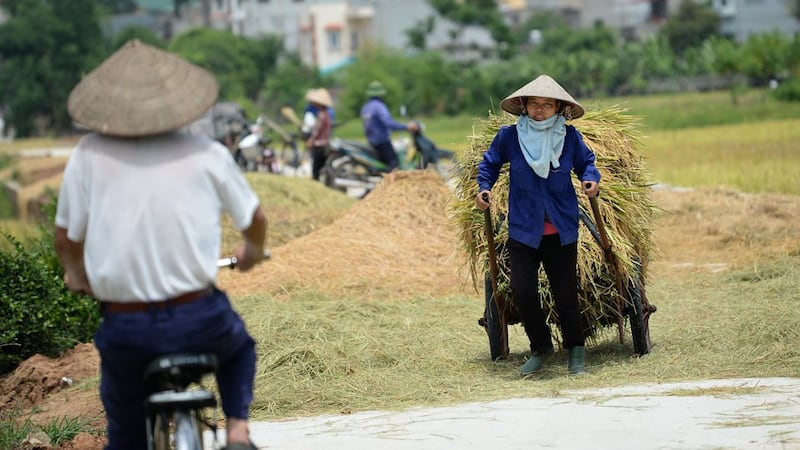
column 231, row 262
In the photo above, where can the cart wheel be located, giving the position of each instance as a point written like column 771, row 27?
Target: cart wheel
column 639, row 318
column 491, row 323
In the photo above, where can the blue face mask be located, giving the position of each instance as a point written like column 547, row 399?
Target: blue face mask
column 542, row 142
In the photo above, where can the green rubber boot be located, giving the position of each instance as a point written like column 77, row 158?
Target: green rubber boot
column 535, row 362
column 576, row 361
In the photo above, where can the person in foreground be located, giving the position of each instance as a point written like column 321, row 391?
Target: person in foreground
column 542, row 150
column 138, row 228
column 379, row 124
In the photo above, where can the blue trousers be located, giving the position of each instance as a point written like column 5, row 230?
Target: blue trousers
column 128, row 342
column 387, row 155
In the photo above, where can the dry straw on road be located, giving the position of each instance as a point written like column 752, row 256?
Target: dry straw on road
column 625, row 204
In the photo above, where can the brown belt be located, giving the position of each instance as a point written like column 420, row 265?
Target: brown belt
column 137, row 306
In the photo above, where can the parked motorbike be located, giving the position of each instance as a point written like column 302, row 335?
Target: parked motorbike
column 427, row 152
column 353, row 165
column 254, row 153
column 250, row 148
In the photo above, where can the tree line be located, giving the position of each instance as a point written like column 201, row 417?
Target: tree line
column 47, row 45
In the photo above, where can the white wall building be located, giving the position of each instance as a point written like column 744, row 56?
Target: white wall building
column 741, row 18
column 329, row 33
column 633, row 18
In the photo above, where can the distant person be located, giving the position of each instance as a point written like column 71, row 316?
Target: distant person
column 138, row 227
column 310, row 114
column 542, row 150
column 379, row 124
column 320, row 134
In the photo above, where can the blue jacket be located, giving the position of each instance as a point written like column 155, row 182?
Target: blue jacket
column 378, row 122
column 530, row 197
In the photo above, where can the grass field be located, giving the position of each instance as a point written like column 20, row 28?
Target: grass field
column 699, row 139
column 696, row 139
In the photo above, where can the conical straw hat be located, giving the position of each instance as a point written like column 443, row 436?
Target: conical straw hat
column 141, row 90
column 542, row 86
column 320, row 96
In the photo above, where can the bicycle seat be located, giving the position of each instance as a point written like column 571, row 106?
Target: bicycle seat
column 180, row 369
column 171, row 400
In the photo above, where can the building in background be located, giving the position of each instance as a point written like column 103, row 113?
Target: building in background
column 328, row 34
column 634, row 19
column 741, row 18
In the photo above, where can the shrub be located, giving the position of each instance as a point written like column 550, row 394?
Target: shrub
column 788, row 91
column 37, row 312
column 14, row 429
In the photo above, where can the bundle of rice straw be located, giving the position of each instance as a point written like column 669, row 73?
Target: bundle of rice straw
column 625, row 203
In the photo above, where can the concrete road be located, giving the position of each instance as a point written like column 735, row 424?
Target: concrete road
column 714, row 414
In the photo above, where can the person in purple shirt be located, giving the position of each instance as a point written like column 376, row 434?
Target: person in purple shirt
column 542, row 150
column 379, row 124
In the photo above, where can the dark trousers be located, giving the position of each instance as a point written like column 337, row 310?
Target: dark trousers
column 387, row 155
column 128, row 342
column 318, row 157
column 560, row 266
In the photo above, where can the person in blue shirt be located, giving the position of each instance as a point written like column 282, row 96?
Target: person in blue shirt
column 542, row 150
column 379, row 124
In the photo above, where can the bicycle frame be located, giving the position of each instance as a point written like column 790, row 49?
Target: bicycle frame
column 175, row 413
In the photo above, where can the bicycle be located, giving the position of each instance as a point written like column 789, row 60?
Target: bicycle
column 175, row 413
column 175, row 409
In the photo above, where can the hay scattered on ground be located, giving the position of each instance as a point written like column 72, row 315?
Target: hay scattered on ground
column 397, row 240
column 733, row 230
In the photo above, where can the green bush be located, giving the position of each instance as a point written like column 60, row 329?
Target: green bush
column 788, row 91
column 37, row 312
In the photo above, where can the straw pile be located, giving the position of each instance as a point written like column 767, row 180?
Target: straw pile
column 397, row 242
column 625, row 204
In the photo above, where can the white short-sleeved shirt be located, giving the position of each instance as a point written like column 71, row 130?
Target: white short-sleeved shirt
column 148, row 212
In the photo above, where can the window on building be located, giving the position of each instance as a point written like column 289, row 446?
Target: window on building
column 334, row 40
column 354, row 42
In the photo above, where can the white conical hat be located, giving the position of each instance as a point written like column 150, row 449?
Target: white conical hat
column 141, row 90
column 320, row 96
column 542, row 86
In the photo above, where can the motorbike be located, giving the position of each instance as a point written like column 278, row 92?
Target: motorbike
column 250, row 148
column 427, row 152
column 256, row 154
column 353, row 165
